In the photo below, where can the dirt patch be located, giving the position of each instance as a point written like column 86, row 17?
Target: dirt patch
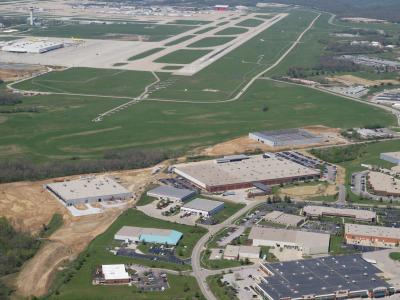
column 331, row 136
column 350, row 80
column 13, row 72
column 3, row 119
column 306, row 191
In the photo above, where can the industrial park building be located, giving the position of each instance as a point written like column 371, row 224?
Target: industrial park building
column 130, row 234
column 393, row 157
column 281, row 218
column 240, row 172
column 383, row 184
column 315, row 211
column 165, row 192
column 308, row 243
column 285, row 137
column 374, row 236
column 113, row 274
column 203, row 207
column 88, row 190
column 235, row 252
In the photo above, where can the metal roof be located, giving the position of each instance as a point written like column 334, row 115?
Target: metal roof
column 170, row 192
column 203, row 204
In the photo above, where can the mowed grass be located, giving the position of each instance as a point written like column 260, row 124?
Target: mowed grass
column 64, row 129
column 180, row 40
column 232, row 31
column 204, row 30
column 145, row 54
column 154, row 32
column 250, row 23
column 182, row 56
column 80, row 287
column 211, row 42
column 91, row 81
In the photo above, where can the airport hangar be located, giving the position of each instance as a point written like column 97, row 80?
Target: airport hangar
column 88, row 190
column 285, row 137
column 374, row 236
column 242, row 171
column 330, row 277
column 150, row 235
column 308, row 243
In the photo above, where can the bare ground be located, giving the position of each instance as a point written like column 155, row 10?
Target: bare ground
column 351, row 80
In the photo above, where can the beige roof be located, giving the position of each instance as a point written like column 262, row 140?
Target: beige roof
column 87, row 188
column 304, row 238
column 231, row 251
column 256, row 168
column 383, row 182
column 234, row 250
column 376, row 231
column 284, row 219
column 137, row 231
column 393, row 154
column 314, row 210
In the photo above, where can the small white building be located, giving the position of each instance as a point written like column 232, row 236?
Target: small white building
column 203, row 207
column 115, row 274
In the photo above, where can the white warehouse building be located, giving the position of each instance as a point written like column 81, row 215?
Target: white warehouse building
column 32, row 46
column 203, row 207
column 88, row 190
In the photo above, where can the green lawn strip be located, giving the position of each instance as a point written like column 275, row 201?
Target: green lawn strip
column 335, row 246
column 222, row 23
column 267, row 17
column 250, row 23
column 145, row 54
column 144, row 199
column 216, row 264
column 211, row 42
column 204, row 30
column 171, row 68
column 120, row 64
column 182, row 56
column 395, row 256
column 232, row 31
column 220, row 290
column 328, row 198
column 154, row 32
column 180, row 40
column 90, row 81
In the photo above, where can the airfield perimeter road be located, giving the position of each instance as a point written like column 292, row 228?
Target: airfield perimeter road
column 200, row 273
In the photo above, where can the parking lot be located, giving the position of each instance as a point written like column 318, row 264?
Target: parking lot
column 161, row 256
column 147, row 279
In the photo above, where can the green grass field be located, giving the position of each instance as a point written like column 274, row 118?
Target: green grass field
column 154, row 32
column 91, row 81
column 63, row 129
column 395, row 256
column 182, row 56
column 211, row 42
column 204, row 30
column 232, row 31
column 250, row 23
column 145, row 54
column 180, row 40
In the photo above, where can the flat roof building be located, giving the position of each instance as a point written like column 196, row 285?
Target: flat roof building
column 235, row 252
column 89, row 190
column 307, row 242
column 215, row 176
column 115, row 274
column 375, row 236
column 171, row 193
column 331, row 277
column 315, row 211
column 149, row 235
column 393, row 157
column 281, row 218
column 32, row 46
column 383, row 184
column 203, row 207
column 285, row 137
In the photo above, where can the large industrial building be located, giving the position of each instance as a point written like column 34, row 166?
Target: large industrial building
column 315, row 211
column 374, row 236
column 32, row 46
column 89, row 190
column 331, row 277
column 393, row 157
column 203, row 207
column 242, row 172
column 166, row 192
column 383, row 184
column 307, row 242
column 284, row 219
column 285, row 137
column 130, row 234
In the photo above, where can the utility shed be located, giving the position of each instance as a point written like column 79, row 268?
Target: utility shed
column 88, row 190
column 203, row 207
column 171, row 193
